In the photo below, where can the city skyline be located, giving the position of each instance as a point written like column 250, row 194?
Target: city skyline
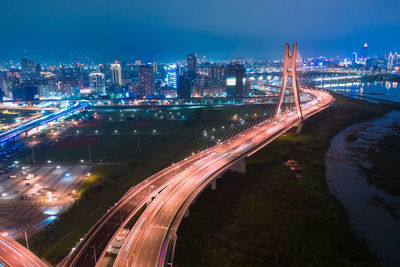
column 103, row 31
column 199, row 133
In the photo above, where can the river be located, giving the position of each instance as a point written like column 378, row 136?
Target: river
column 366, row 205
column 389, row 91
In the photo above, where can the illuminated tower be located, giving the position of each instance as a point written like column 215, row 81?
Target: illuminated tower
column 146, row 78
column 116, row 75
column 235, row 80
column 390, row 61
column 155, row 66
column 172, row 76
column 365, row 51
column 97, row 83
column 354, row 60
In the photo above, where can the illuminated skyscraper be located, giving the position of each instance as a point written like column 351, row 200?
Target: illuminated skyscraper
column 354, row 59
column 172, row 75
column 365, row 51
column 97, row 83
column 116, row 75
column 155, row 66
column 236, row 80
column 192, row 66
column 216, row 73
column 146, row 78
column 390, row 61
column 28, row 69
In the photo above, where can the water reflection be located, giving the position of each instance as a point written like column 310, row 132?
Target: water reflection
column 377, row 90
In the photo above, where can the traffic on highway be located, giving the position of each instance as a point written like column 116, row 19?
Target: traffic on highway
column 165, row 194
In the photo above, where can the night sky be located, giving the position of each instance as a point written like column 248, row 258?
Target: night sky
column 168, row 30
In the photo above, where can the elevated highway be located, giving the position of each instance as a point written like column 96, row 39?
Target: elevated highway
column 15, row 255
column 151, row 241
column 26, row 127
column 179, row 184
column 168, row 193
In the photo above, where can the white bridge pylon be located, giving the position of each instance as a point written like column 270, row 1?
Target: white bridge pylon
column 289, row 70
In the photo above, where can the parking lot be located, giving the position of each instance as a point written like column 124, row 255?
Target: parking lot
column 32, row 196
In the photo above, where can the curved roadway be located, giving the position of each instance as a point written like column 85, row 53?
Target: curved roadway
column 14, row 254
column 175, row 184
column 154, row 233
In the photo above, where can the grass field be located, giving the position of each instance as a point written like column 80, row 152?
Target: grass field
column 385, row 170
column 120, row 135
column 173, row 141
column 295, row 211
column 10, row 116
column 269, row 216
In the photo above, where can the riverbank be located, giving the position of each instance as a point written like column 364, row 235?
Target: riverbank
column 385, row 162
column 277, row 213
column 362, row 172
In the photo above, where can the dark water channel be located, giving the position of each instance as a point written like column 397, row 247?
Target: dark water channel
column 373, row 213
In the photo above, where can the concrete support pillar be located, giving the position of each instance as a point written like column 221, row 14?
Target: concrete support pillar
column 240, row 167
column 186, row 213
column 214, row 184
column 299, row 127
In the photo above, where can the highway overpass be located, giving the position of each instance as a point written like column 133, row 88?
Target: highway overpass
column 13, row 133
column 15, row 255
column 151, row 241
column 200, row 169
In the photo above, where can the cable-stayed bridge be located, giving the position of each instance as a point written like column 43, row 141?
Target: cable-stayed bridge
column 168, row 193
column 161, row 201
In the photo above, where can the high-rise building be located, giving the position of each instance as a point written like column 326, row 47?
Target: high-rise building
column 365, row 52
column 97, row 83
column 390, row 61
column 192, row 66
column 26, row 93
column 172, row 74
column 155, row 66
column 184, row 90
column 28, row 69
column 146, row 80
column 354, row 59
column 216, row 73
column 236, row 80
column 116, row 75
column 38, row 69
